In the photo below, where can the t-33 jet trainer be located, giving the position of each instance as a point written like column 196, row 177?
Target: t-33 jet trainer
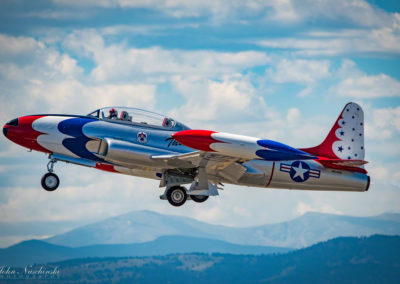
column 194, row 164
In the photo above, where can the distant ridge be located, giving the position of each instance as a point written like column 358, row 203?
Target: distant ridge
column 373, row 259
column 311, row 228
column 36, row 251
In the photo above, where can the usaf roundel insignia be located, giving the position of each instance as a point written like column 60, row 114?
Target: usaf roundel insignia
column 142, row 137
column 300, row 171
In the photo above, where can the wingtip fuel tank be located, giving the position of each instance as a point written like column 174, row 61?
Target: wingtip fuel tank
column 239, row 146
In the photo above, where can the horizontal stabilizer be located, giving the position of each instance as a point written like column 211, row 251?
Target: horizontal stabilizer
column 348, row 165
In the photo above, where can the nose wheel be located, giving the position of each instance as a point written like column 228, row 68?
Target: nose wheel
column 50, row 180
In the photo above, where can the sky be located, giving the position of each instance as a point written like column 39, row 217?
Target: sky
column 279, row 69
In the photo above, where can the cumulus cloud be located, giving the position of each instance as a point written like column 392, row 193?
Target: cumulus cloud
column 383, row 125
column 369, row 30
column 287, row 11
column 10, row 45
column 387, row 117
column 54, row 82
column 347, row 41
column 119, row 62
column 369, row 86
column 300, row 71
column 355, row 83
column 231, row 99
column 281, row 10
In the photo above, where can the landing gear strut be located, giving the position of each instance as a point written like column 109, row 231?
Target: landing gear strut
column 50, row 181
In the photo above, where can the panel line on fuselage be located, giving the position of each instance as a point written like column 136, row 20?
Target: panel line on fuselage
column 272, row 174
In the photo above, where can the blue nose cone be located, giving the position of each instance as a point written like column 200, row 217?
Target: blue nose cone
column 276, row 151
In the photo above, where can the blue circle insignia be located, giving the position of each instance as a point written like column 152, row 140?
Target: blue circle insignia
column 142, row 137
column 299, row 171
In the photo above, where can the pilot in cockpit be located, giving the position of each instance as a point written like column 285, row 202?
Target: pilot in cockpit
column 113, row 114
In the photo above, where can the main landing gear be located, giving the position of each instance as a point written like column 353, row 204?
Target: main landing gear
column 50, row 181
column 177, row 196
column 199, row 198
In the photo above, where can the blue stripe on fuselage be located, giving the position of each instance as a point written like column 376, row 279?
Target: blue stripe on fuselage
column 77, row 145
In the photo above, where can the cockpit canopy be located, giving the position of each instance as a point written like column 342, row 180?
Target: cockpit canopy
column 130, row 115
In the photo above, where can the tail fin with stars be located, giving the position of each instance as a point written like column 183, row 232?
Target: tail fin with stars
column 343, row 148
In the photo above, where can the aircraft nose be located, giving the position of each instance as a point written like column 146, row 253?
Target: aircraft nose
column 5, row 130
column 11, row 128
column 21, row 131
column 11, row 123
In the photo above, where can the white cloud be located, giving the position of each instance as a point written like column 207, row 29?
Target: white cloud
column 285, row 11
column 119, row 62
column 91, row 97
column 363, row 27
column 293, row 116
column 355, row 83
column 306, row 72
column 387, row 117
column 367, row 29
column 10, row 45
column 281, row 10
column 357, row 11
column 347, row 41
column 382, row 131
column 303, row 208
column 231, row 99
column 55, row 83
column 299, row 71
column 369, row 86
column 57, row 14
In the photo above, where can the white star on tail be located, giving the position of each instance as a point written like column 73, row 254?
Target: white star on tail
column 299, row 172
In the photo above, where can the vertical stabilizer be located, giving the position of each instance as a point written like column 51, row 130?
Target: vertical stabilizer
column 346, row 138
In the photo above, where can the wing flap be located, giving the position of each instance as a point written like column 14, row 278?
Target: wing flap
column 225, row 166
column 189, row 160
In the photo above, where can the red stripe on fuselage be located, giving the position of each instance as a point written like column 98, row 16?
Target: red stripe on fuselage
column 105, row 167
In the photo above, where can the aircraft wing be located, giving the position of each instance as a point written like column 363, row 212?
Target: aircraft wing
column 220, row 165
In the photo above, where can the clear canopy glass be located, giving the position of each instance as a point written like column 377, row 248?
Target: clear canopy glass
column 136, row 116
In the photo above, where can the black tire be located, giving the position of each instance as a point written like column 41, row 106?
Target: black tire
column 176, row 195
column 50, row 182
column 199, row 198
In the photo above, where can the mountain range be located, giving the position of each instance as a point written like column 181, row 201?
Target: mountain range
column 374, row 259
column 36, row 251
column 146, row 233
column 306, row 230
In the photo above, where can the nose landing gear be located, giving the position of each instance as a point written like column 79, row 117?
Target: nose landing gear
column 50, row 181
